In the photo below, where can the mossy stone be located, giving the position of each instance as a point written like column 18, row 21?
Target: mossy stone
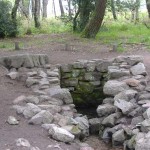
column 75, row 73
column 85, row 87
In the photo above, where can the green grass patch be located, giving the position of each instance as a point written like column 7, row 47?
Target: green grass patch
column 47, row 26
column 124, row 32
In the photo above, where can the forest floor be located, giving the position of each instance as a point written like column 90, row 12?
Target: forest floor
column 61, row 49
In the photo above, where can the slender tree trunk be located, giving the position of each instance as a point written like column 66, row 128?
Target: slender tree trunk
column 33, row 7
column 85, row 9
column 148, row 7
column 61, row 8
column 75, row 20
column 36, row 17
column 54, row 8
column 132, row 15
column 113, row 10
column 95, row 23
column 30, row 8
column 45, row 3
column 39, row 8
column 14, row 12
column 137, row 10
column 69, row 8
column 24, row 8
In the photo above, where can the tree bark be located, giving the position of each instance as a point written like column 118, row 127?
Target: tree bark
column 69, row 8
column 14, row 12
column 61, row 8
column 75, row 20
column 39, row 8
column 85, row 9
column 33, row 7
column 137, row 10
column 95, row 23
column 45, row 3
column 36, row 17
column 54, row 8
column 113, row 10
column 24, row 8
column 148, row 7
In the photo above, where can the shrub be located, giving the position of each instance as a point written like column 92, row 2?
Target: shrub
column 7, row 27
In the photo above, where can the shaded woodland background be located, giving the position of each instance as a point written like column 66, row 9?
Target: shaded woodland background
column 110, row 21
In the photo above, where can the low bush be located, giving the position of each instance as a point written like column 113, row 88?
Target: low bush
column 7, row 27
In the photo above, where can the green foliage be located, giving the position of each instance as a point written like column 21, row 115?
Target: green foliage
column 7, row 27
column 124, row 32
column 47, row 26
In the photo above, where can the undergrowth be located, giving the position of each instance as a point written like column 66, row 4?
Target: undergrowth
column 47, row 26
column 124, row 33
column 112, row 32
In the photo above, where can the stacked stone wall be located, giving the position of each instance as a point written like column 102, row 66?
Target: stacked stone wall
column 86, row 79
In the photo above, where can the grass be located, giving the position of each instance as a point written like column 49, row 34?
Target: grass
column 124, row 33
column 112, row 32
column 47, row 27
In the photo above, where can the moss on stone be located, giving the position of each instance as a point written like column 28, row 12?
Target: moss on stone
column 76, row 73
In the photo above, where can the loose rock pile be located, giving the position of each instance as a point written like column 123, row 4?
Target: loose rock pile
column 124, row 115
column 50, row 106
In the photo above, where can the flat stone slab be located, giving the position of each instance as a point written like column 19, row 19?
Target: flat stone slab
column 24, row 60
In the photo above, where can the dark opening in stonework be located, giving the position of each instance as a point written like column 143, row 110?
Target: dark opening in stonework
column 85, row 80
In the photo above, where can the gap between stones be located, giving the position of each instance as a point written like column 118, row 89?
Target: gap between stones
column 117, row 88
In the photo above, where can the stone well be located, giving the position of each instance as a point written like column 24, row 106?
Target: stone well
column 86, row 79
column 117, row 87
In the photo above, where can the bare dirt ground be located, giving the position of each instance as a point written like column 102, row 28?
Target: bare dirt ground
column 61, row 48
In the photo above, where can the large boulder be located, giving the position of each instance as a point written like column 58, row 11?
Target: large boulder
column 3, row 71
column 62, row 94
column 118, row 138
column 146, row 114
column 103, row 65
column 125, row 106
column 117, row 73
column 30, row 110
column 60, row 134
column 126, row 95
column 94, row 125
column 114, row 87
column 42, row 117
column 145, row 125
column 83, row 125
column 132, row 60
column 111, row 120
column 138, row 69
column 142, row 141
column 24, row 60
column 105, row 110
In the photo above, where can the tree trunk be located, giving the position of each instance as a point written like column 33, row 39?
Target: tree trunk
column 61, row 8
column 54, row 8
column 33, row 7
column 69, row 8
column 95, row 23
column 137, row 10
column 85, row 8
column 113, row 10
column 132, row 15
column 14, row 12
column 36, row 17
column 45, row 3
column 148, row 7
column 24, row 8
column 39, row 8
column 75, row 20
